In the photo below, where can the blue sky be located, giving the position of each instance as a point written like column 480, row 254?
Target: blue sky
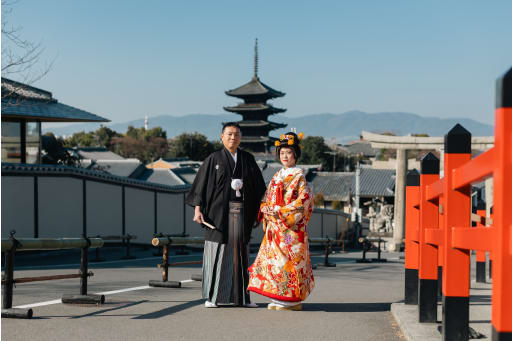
column 127, row 59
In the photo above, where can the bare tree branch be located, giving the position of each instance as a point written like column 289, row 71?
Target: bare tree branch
column 20, row 57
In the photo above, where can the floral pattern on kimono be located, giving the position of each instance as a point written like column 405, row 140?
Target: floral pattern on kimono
column 282, row 269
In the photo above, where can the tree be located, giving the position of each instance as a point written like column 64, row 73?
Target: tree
column 19, row 56
column 336, row 205
column 313, row 151
column 54, row 152
column 195, row 146
column 99, row 138
column 143, row 134
column 318, row 200
column 81, row 139
column 105, row 135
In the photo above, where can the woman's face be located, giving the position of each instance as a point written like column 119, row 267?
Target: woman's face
column 287, row 157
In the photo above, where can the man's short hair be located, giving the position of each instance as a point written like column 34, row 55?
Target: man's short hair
column 230, row 124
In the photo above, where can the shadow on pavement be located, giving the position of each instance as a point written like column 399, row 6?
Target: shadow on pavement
column 170, row 310
column 346, row 307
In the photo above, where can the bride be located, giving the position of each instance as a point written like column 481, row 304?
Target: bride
column 282, row 269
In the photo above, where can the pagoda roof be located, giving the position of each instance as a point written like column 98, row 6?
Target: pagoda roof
column 261, row 123
column 253, row 107
column 256, row 139
column 254, row 88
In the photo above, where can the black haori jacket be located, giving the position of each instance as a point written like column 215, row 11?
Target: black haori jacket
column 212, row 191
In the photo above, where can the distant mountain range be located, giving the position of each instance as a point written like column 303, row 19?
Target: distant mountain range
column 342, row 127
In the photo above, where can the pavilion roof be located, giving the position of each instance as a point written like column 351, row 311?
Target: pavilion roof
column 254, row 88
column 24, row 101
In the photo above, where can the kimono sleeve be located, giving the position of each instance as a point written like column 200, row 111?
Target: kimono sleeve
column 197, row 194
column 299, row 210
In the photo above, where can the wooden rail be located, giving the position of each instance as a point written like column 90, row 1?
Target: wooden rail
column 12, row 245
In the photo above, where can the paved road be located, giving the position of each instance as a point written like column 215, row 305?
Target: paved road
column 350, row 302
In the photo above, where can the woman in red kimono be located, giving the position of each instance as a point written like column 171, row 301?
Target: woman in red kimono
column 282, row 270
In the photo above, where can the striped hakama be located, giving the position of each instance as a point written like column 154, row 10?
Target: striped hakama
column 218, row 273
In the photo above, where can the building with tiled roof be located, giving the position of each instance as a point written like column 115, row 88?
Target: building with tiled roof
column 341, row 186
column 169, row 163
column 161, row 176
column 24, row 108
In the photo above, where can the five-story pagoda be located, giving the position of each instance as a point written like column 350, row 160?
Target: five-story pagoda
column 255, row 111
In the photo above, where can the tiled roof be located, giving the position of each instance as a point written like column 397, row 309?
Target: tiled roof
column 260, row 123
column 21, row 100
column 17, row 169
column 358, row 148
column 187, row 174
column 97, row 154
column 248, row 107
column 254, row 87
column 272, row 168
column 127, row 167
column 377, row 182
column 336, row 186
column 161, row 176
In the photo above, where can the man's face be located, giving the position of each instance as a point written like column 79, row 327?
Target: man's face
column 231, row 137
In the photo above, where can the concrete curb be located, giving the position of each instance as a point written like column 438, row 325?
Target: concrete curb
column 407, row 318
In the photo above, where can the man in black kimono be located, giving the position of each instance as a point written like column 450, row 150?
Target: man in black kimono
column 211, row 195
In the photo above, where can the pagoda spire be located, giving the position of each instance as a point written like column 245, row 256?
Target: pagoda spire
column 256, row 59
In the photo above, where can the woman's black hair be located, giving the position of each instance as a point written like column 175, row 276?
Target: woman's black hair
column 285, row 143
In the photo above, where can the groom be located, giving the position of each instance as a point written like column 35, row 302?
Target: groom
column 227, row 178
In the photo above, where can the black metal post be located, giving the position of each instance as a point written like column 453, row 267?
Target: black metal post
column 155, row 211
column 123, row 211
column 328, row 248
column 36, row 207
column 440, row 281
column 127, row 244
column 83, row 271
column 9, row 279
column 480, row 272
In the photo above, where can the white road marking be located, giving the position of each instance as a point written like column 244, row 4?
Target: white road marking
column 41, row 304
column 123, row 290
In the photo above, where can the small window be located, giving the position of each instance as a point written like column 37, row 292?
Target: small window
column 11, row 142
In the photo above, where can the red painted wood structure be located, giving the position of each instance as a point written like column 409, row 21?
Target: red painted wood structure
column 439, row 233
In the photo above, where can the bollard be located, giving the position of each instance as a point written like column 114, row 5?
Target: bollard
column 456, row 261
column 427, row 288
column 328, row 248
column 9, row 278
column 165, row 283
column 127, row 243
column 411, row 237
column 83, row 270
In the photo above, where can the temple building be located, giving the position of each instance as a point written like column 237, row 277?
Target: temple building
column 255, row 111
column 24, row 108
